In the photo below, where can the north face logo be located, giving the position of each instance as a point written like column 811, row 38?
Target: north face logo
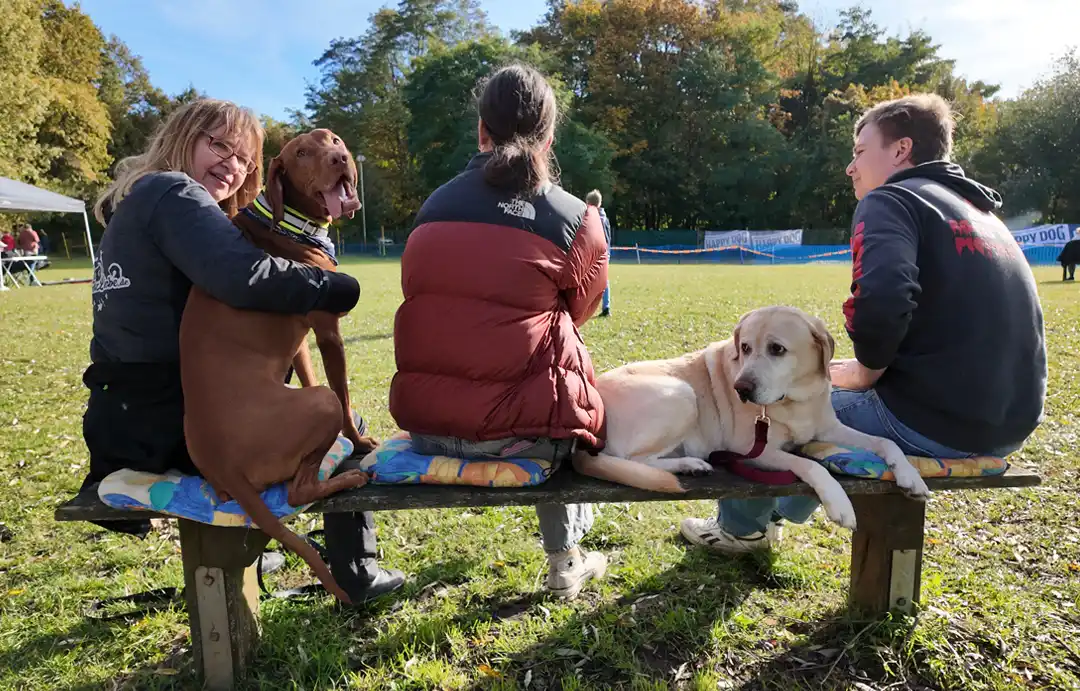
column 519, row 208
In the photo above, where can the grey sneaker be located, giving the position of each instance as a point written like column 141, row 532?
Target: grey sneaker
column 708, row 533
column 568, row 571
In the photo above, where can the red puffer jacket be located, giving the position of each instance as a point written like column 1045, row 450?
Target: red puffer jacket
column 486, row 342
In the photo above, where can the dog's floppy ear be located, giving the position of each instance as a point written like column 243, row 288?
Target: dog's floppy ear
column 735, row 335
column 825, row 342
column 275, row 188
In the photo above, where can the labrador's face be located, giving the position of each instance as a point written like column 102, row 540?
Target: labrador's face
column 779, row 350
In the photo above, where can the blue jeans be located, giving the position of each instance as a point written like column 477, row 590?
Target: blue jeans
column 860, row 410
column 607, row 297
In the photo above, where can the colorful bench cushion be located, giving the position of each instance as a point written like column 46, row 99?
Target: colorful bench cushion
column 858, row 462
column 394, row 462
column 192, row 497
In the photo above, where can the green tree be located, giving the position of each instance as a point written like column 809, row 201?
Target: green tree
column 277, row 134
column 23, row 100
column 136, row 107
column 73, row 133
column 1030, row 156
column 682, row 91
column 360, row 95
column 441, row 98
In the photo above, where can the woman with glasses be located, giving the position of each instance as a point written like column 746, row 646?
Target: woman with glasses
column 167, row 228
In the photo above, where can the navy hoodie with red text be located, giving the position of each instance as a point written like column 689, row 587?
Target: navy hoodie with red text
column 943, row 297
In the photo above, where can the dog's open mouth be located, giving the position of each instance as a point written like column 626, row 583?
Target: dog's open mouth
column 341, row 200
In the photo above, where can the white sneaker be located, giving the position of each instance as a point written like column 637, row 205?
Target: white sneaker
column 568, row 571
column 708, row 533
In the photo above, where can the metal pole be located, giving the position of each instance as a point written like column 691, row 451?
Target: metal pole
column 360, row 158
column 89, row 242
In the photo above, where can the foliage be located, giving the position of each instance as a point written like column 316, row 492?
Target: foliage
column 441, row 96
column 361, row 94
column 1031, row 153
column 71, row 102
column 696, row 114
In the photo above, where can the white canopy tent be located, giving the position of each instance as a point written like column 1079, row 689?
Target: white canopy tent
column 18, row 196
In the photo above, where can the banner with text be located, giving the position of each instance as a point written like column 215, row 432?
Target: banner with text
column 719, row 239
column 1057, row 234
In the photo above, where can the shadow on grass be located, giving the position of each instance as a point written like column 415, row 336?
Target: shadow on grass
column 92, row 634
column 654, row 631
column 836, row 652
column 310, row 653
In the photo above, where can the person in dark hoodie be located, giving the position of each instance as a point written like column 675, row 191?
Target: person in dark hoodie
column 944, row 315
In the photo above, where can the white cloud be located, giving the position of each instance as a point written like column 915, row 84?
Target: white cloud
column 1002, row 41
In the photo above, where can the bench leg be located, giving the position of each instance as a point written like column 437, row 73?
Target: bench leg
column 222, row 593
column 886, row 554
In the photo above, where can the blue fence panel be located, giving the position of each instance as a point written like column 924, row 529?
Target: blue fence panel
column 777, row 254
column 1041, row 255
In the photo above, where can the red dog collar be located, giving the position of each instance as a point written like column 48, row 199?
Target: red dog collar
column 734, row 461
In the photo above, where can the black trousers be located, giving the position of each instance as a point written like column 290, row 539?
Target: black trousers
column 135, row 419
column 350, row 544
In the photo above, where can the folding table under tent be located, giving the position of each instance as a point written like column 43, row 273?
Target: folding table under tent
column 18, row 196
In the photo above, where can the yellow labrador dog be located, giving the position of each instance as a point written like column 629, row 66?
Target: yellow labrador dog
column 667, row 416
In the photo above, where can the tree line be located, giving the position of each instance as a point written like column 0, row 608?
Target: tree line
column 689, row 114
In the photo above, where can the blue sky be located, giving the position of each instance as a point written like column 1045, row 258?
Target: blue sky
column 259, row 53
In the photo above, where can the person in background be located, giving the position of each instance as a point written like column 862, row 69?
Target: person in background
column 7, row 244
column 501, row 270
column 593, row 198
column 45, row 246
column 944, row 315
column 27, row 240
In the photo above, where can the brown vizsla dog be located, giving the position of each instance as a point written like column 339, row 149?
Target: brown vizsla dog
column 245, row 429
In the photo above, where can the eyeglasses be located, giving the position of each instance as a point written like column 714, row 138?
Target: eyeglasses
column 224, row 151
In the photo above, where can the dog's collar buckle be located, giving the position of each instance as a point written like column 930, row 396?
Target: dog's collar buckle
column 763, row 416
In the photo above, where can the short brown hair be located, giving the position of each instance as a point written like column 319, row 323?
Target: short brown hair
column 925, row 118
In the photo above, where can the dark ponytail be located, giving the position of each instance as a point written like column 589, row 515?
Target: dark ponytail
column 518, row 109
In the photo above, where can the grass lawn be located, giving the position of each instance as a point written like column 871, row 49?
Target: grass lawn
column 1001, row 585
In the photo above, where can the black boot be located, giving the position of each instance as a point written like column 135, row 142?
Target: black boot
column 351, row 548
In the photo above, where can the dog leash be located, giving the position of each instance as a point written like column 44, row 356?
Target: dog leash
column 734, row 461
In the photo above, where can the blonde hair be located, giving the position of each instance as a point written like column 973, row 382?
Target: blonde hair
column 171, row 146
column 593, row 198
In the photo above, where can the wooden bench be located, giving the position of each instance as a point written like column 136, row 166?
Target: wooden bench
column 220, row 578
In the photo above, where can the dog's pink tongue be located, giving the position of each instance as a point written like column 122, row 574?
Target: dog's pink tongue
column 334, row 199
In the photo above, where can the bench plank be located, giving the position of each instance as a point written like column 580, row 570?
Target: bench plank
column 564, row 487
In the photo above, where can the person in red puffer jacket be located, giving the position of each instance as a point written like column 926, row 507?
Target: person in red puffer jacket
column 501, row 269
